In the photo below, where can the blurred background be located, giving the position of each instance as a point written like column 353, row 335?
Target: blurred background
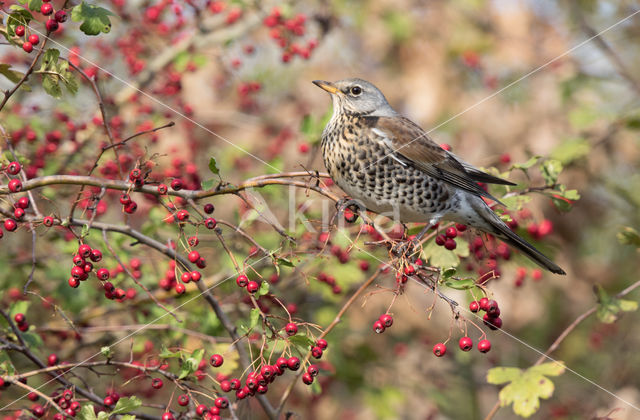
column 242, row 71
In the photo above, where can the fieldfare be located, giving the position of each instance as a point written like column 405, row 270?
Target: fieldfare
column 389, row 164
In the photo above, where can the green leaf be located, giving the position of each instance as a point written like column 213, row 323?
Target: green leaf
column 316, row 389
column 19, row 16
column 285, row 262
column 190, row 364
column 551, row 170
column 20, row 307
column 439, row 256
column 448, row 272
column 32, row 340
column 528, row 164
column 213, row 167
column 629, row 236
column 254, row 317
column 126, row 405
column 106, row 352
column 571, row 150
column 95, row 19
column 208, row 183
column 13, row 75
column 51, row 86
column 264, row 289
column 165, row 353
column 525, row 388
column 301, row 341
column 86, row 413
column 463, row 284
column 50, row 60
column 610, row 308
column 34, row 5
column 6, row 365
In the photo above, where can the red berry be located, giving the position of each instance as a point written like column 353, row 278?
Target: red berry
column 225, row 386
column 108, row 401
column 267, row 371
column 162, row 189
column 18, row 213
column 483, row 303
column 252, row 287
column 474, row 306
column 210, row 223
column 242, row 280
column 15, row 185
column 52, row 359
column 492, row 308
column 182, row 215
column 96, row 255
column 216, row 360
column 378, row 327
column 465, row 343
column 125, row 199
column 176, row 184
column 492, row 322
column 313, row 370
column 484, row 346
column 195, row 275
column 46, row 9
column 322, row 343
column 103, row 274
column 183, row 399
column 208, row 208
column 77, row 272
column 185, row 277
column 73, row 282
column 307, row 378
column 10, row 225
column 440, row 240
column 439, row 349
column 461, row 228
column 19, row 318
column 156, row 383
column 451, row 232
column 386, row 319
column 84, row 251
column 47, row 221
column 281, row 363
column 450, row 244
column 38, row 410
column 27, row 46
column 193, row 256
column 291, row 329
column 34, row 39
column 179, row 288
column 201, row 409
column 409, row 270
column 61, row 16
column 131, row 207
column 14, row 167
column 167, row 416
column 23, row 202
column 293, row 363
column 20, row 30
column 221, row 402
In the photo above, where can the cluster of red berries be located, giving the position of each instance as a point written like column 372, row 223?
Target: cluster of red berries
column 492, row 316
column 381, row 324
column 243, row 281
column 67, row 403
column 21, row 322
column 82, row 266
column 465, row 343
column 52, row 24
column 284, row 31
column 330, row 281
column 447, row 239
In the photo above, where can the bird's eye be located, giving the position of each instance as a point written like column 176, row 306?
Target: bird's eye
column 356, row 90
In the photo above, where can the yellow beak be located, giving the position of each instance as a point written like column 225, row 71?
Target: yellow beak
column 328, row 86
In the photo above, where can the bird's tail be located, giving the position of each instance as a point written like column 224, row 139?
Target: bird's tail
column 502, row 231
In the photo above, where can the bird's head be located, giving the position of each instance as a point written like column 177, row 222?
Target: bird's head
column 357, row 96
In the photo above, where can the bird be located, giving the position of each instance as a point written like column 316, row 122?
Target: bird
column 387, row 163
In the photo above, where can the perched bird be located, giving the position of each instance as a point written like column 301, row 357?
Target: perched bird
column 389, row 164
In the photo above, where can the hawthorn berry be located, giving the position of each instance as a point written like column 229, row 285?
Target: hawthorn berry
column 484, row 346
column 409, row 270
column 316, row 352
column 87, row 267
column 313, row 370
column 195, row 276
column 493, row 323
column 167, row 416
column 125, row 199
column 236, row 384
column 182, row 215
column 439, row 349
column 386, row 319
column 162, row 189
column 440, row 240
column 193, row 256
column 221, row 402
column 77, row 272
column 201, row 263
column 242, row 393
column 293, row 363
column 450, row 244
column 156, row 383
column 14, row 167
column 38, row 410
column 322, row 343
column 492, row 308
column 291, row 329
column 216, row 360
column 131, row 207
column 252, row 287
column 176, row 184
column 27, row 46
column 108, row 401
column 18, row 213
column 20, row 30
column 474, row 306
column 34, row 39
column 84, row 251
column 193, row 241
column 208, row 208
column 47, row 221
column 179, row 288
column 19, row 318
column 451, row 232
column 210, row 223
column 484, row 303
column 242, row 280
column 267, row 371
column 46, row 9
column 307, row 378
column 103, row 274
column 183, row 399
column 78, row 260
column 201, row 409
column 378, row 327
column 61, row 16
column 96, row 255
column 10, row 225
column 15, row 185
column 23, row 202
column 225, row 386
column 465, row 343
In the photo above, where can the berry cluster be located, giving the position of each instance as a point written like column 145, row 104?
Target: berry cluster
column 492, row 316
column 285, row 30
column 382, row 323
column 447, row 239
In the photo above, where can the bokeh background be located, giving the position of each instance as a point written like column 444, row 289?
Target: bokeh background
column 441, row 63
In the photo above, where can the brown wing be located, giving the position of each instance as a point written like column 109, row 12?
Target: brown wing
column 410, row 142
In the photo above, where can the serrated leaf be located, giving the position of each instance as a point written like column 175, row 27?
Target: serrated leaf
column 126, row 405
column 51, row 86
column 515, row 202
column 86, row 413
column 609, row 307
column 528, row 164
column 254, row 317
column 629, row 236
column 439, row 256
column 71, row 82
column 525, row 388
column 13, row 75
column 301, row 341
column 213, row 166
column 264, row 289
column 95, row 19
column 50, row 60
column 165, row 353
column 551, row 170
